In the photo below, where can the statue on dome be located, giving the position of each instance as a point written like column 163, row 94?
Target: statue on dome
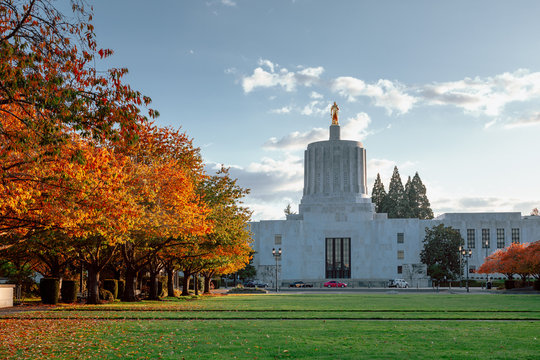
column 334, row 112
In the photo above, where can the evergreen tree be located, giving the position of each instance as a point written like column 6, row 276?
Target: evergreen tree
column 421, row 204
column 440, row 252
column 408, row 204
column 378, row 195
column 395, row 196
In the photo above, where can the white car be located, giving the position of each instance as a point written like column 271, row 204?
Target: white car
column 398, row 283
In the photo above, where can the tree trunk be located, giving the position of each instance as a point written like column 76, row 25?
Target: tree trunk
column 170, row 283
column 129, row 291
column 196, row 283
column 93, row 285
column 207, row 279
column 153, row 292
column 185, row 283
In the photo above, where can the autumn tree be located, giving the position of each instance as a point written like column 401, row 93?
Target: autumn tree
column 51, row 90
column 164, row 175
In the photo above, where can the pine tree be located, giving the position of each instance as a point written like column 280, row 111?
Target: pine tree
column 409, row 201
column 378, row 195
column 395, row 196
column 422, row 206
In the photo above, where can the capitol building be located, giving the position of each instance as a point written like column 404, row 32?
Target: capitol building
column 337, row 235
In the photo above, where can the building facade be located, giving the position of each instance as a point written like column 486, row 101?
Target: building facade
column 337, row 235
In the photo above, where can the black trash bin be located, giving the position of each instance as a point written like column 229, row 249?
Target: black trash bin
column 488, row 285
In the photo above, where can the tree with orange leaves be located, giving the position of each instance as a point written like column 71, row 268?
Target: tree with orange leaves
column 49, row 91
column 166, row 170
column 532, row 257
column 230, row 239
column 516, row 259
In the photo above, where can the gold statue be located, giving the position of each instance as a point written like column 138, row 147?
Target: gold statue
column 334, row 112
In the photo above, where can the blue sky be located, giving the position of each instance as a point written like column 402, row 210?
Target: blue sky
column 448, row 89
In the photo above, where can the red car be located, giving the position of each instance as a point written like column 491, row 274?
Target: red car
column 333, row 283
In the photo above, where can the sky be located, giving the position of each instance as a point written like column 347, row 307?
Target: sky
column 450, row 90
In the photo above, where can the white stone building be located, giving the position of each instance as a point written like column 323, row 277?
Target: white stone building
column 337, row 234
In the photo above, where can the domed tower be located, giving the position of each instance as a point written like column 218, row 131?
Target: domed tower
column 335, row 177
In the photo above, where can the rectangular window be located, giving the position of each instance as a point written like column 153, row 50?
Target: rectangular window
column 472, row 269
column 400, row 269
column 515, row 236
column 401, row 254
column 338, row 258
column 500, row 238
column 400, row 238
column 471, row 238
column 485, row 238
column 277, row 240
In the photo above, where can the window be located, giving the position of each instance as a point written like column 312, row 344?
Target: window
column 485, row 238
column 338, row 258
column 277, row 240
column 515, row 236
column 400, row 238
column 472, row 269
column 401, row 254
column 470, row 238
column 500, row 238
column 400, row 269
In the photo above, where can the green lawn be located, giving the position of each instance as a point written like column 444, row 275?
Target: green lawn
column 249, row 327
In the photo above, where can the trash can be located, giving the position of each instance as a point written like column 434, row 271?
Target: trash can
column 488, row 285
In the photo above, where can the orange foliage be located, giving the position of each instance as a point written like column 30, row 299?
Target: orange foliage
column 520, row 259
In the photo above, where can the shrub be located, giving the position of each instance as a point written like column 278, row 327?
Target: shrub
column 121, row 288
column 536, row 285
column 242, row 290
column 69, row 291
column 112, row 286
column 49, row 290
column 509, row 284
column 106, row 295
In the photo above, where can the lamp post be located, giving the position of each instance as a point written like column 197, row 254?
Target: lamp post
column 460, row 269
column 486, row 244
column 467, row 254
column 277, row 255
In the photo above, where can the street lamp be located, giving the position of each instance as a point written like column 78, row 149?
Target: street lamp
column 486, row 244
column 467, row 254
column 277, row 255
column 460, row 269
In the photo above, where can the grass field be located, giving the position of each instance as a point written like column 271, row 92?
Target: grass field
column 327, row 326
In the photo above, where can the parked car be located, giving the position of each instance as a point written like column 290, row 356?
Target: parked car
column 255, row 283
column 333, row 283
column 398, row 283
column 300, row 284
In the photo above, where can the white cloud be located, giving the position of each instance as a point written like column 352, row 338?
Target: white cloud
column 296, row 140
column 315, row 95
column 316, row 107
column 267, row 63
column 531, row 120
column 487, row 96
column 280, row 77
column 384, row 93
column 265, row 79
column 228, row 2
column 283, row 110
column 273, row 183
column 356, row 128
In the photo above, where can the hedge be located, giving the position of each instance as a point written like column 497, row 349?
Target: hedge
column 112, row 286
column 49, row 290
column 69, row 291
